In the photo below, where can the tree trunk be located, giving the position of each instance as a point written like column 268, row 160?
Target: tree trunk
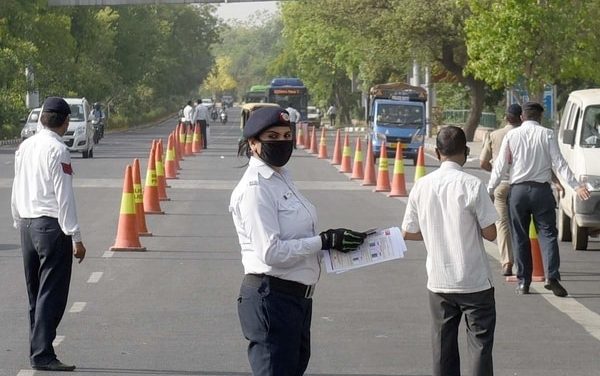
column 477, row 93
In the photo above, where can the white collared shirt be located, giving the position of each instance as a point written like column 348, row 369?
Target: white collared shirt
column 275, row 225
column 188, row 112
column 200, row 113
column 530, row 152
column 450, row 207
column 43, row 184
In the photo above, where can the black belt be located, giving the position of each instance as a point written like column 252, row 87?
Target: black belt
column 280, row 285
column 530, row 183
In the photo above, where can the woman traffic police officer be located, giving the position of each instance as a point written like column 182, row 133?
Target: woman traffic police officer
column 280, row 249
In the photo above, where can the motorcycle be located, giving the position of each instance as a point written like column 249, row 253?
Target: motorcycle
column 223, row 116
column 98, row 125
column 214, row 114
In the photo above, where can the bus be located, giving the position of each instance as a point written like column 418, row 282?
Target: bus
column 289, row 91
column 257, row 94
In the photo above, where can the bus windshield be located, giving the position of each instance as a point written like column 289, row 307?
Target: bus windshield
column 399, row 115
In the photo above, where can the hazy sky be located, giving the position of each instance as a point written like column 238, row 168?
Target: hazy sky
column 232, row 11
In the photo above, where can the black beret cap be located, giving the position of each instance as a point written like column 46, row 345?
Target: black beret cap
column 533, row 106
column 56, row 104
column 264, row 118
column 514, row 109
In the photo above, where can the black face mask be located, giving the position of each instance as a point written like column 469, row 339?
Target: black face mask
column 276, row 153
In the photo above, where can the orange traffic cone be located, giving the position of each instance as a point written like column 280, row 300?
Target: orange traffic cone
column 127, row 231
column 537, row 275
column 138, row 198
column 346, row 165
column 181, row 141
column 196, row 141
column 323, row 145
column 420, row 167
column 357, row 168
column 398, row 182
column 151, row 200
column 161, row 181
column 336, row 158
column 313, row 141
column 306, row 136
column 170, row 161
column 175, row 136
column 383, row 178
column 189, row 139
column 369, row 166
column 299, row 137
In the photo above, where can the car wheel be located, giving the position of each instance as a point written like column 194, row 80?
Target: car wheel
column 580, row 236
column 563, row 225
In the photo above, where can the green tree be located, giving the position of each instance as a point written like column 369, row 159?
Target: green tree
column 220, row 80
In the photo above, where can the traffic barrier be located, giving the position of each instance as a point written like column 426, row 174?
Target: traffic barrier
column 127, row 232
column 313, row 141
column 170, row 161
column 346, row 165
column 299, row 137
column 336, row 158
column 357, row 167
column 197, row 140
column 420, row 167
column 160, row 173
column 138, row 198
column 383, row 177
column 369, row 179
column 323, row 145
column 398, row 181
column 151, row 200
column 189, row 139
column 537, row 275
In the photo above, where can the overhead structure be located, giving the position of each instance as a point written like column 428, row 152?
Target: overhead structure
column 64, row 3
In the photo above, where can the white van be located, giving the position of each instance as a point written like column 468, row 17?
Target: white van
column 79, row 137
column 579, row 143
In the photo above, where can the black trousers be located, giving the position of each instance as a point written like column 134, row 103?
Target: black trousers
column 525, row 200
column 203, row 125
column 48, row 259
column 277, row 326
column 479, row 309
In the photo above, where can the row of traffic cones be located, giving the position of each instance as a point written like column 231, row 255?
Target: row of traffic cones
column 135, row 203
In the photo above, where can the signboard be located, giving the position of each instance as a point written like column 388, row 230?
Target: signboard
column 286, row 91
column 520, row 96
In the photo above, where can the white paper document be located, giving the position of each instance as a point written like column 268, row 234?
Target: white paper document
column 381, row 246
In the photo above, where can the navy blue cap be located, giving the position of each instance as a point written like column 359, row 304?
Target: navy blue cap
column 264, row 118
column 56, row 104
column 514, row 109
column 533, row 106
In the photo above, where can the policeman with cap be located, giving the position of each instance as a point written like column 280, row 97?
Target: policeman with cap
column 276, row 227
column 43, row 209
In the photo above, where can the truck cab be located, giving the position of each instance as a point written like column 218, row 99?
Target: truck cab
column 396, row 113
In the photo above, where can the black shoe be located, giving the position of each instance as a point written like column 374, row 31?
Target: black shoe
column 555, row 286
column 55, row 365
column 522, row 289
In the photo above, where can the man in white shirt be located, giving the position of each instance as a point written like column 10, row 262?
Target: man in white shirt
column 188, row 113
column 531, row 154
column 43, row 209
column 451, row 212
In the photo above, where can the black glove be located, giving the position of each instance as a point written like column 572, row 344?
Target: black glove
column 342, row 239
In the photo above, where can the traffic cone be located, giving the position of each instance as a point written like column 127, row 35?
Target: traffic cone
column 357, row 168
column 323, row 145
column 369, row 166
column 151, row 200
column 420, row 167
column 127, row 231
column 161, row 182
column 175, row 136
column 398, row 182
column 306, row 136
column 537, row 274
column 138, row 198
column 313, row 141
column 383, row 178
column 189, row 140
column 336, row 158
column 196, row 141
column 170, row 162
column 346, row 165
column 299, row 137
column 181, row 139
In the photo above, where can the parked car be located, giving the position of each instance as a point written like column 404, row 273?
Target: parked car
column 31, row 124
column 314, row 116
column 579, row 143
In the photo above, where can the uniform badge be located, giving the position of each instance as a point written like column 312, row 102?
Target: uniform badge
column 67, row 169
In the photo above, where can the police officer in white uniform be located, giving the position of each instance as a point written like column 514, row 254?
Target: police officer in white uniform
column 43, row 209
column 280, row 248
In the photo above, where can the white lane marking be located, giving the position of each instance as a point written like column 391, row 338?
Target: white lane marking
column 77, row 307
column 26, row 372
column 588, row 319
column 108, row 254
column 95, row 277
column 58, row 340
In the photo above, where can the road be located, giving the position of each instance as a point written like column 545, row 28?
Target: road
column 172, row 310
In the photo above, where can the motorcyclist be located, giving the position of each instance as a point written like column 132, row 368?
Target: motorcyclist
column 223, row 115
column 98, row 120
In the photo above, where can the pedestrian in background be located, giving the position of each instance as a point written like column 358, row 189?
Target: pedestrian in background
column 451, row 212
column 332, row 112
column 531, row 154
column 188, row 113
column 43, row 209
column 280, row 249
column 201, row 118
column 489, row 153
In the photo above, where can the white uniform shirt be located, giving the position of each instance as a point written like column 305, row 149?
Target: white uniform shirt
column 294, row 115
column 450, row 207
column 530, row 152
column 200, row 113
column 43, row 184
column 188, row 112
column 275, row 225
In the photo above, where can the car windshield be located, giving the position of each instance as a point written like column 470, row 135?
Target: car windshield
column 397, row 115
column 33, row 116
column 76, row 112
column 590, row 133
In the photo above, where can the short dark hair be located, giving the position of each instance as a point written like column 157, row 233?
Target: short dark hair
column 451, row 140
column 533, row 111
column 52, row 119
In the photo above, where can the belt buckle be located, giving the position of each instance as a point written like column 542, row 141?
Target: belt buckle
column 310, row 290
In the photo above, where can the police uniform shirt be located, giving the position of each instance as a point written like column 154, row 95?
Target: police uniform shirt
column 43, row 182
column 200, row 113
column 275, row 225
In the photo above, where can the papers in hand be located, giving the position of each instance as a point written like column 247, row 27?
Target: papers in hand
column 379, row 246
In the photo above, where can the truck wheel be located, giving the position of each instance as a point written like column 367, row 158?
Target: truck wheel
column 580, row 236
column 564, row 226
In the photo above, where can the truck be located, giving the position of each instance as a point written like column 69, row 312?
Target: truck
column 396, row 113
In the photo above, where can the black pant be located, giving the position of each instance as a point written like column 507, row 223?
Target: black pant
column 480, row 317
column 525, row 200
column 277, row 325
column 203, row 125
column 48, row 258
